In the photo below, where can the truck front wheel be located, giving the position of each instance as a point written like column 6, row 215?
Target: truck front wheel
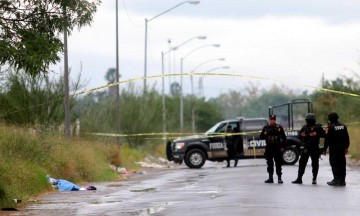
column 169, row 151
column 290, row 156
column 195, row 158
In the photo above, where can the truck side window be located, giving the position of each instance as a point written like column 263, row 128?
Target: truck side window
column 256, row 125
column 234, row 126
column 221, row 128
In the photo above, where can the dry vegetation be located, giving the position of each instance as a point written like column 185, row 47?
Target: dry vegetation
column 26, row 159
column 354, row 132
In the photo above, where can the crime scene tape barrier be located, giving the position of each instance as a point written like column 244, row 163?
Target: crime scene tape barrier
column 213, row 135
column 187, row 74
column 213, row 74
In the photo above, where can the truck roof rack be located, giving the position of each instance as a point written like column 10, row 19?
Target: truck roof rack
column 290, row 109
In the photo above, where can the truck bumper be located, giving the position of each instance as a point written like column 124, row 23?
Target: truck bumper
column 178, row 157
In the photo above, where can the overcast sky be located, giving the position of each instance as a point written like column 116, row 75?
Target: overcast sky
column 294, row 40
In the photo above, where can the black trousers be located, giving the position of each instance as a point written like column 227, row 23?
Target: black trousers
column 304, row 158
column 273, row 155
column 232, row 155
column 338, row 162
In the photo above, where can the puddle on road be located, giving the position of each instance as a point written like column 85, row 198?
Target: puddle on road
column 105, row 202
column 114, row 185
column 158, row 208
column 212, row 196
column 144, row 190
column 53, row 202
column 208, row 192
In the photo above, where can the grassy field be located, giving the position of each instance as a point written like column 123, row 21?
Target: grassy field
column 354, row 132
column 26, row 159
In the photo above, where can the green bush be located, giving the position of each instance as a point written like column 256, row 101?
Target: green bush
column 26, row 160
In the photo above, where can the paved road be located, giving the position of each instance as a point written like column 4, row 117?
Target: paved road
column 212, row 190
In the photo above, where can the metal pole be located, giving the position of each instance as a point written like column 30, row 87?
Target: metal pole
column 145, row 55
column 66, row 81
column 181, row 96
column 200, row 86
column 163, row 97
column 169, row 61
column 193, row 117
column 192, row 104
column 117, row 106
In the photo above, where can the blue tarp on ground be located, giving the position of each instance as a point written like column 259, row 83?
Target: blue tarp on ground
column 64, row 185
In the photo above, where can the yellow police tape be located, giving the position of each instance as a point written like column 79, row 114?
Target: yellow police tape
column 168, row 135
column 187, row 74
column 213, row 74
column 213, row 135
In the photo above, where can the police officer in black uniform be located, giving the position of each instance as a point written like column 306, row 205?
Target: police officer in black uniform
column 275, row 142
column 231, row 146
column 337, row 139
column 310, row 134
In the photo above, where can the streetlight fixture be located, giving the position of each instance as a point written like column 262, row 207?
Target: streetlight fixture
column 201, row 84
column 146, row 32
column 192, row 90
column 202, row 37
column 217, row 68
column 181, row 80
column 203, row 63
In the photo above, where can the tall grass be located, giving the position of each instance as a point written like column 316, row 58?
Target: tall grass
column 354, row 133
column 26, row 160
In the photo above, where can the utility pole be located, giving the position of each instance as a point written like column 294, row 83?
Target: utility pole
column 66, row 79
column 181, row 96
column 163, row 96
column 145, row 55
column 117, row 101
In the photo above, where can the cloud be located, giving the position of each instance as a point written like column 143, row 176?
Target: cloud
column 332, row 10
column 290, row 48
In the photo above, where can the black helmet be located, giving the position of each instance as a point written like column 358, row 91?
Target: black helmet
column 310, row 116
column 333, row 117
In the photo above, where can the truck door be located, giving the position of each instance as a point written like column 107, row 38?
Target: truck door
column 253, row 145
column 217, row 143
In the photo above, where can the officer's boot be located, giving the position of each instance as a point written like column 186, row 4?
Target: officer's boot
column 236, row 162
column 280, row 181
column 298, row 180
column 314, row 180
column 342, row 181
column 334, row 182
column 228, row 163
column 270, row 180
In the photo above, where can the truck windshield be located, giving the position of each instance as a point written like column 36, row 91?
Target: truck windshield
column 215, row 127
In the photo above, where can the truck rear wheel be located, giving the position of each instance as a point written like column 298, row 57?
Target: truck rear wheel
column 195, row 158
column 169, row 151
column 290, row 156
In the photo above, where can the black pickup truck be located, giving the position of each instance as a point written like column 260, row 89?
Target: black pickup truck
column 195, row 150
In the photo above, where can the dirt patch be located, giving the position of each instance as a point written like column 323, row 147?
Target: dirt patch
column 68, row 203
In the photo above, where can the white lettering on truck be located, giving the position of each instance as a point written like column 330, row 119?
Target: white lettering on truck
column 257, row 143
column 217, row 145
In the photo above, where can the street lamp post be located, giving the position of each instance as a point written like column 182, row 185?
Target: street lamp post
column 201, row 85
column 146, row 33
column 163, row 78
column 193, row 126
column 163, row 95
column 203, row 63
column 181, row 81
column 117, row 101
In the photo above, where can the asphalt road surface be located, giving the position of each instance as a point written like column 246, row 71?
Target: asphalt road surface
column 212, row 190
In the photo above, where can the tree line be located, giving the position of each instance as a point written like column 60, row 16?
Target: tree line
column 37, row 101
